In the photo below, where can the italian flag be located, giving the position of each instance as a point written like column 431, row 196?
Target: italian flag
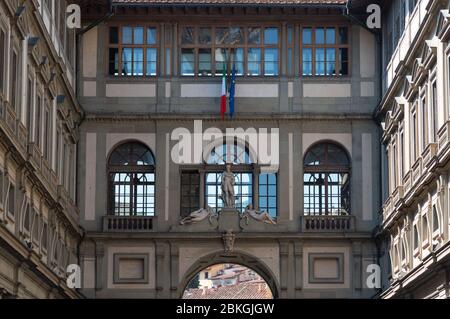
column 223, row 99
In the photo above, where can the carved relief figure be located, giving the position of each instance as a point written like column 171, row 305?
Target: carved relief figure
column 263, row 217
column 198, row 216
column 228, row 241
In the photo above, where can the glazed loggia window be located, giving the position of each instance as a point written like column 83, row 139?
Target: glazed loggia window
column 325, row 51
column 132, row 181
column 243, row 168
column 326, row 181
column 207, row 51
column 133, row 51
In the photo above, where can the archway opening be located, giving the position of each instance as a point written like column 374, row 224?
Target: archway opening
column 228, row 281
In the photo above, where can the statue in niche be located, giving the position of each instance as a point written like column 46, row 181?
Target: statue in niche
column 263, row 217
column 199, row 216
column 228, row 182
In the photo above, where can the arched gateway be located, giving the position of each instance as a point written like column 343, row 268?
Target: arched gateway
column 236, row 258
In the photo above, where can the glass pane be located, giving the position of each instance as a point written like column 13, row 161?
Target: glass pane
column 204, row 36
column 204, row 62
column 254, row 62
column 271, row 36
column 127, row 35
column 127, row 61
column 151, row 36
column 187, row 35
column 343, row 35
column 236, row 36
column 114, row 35
column 254, row 35
column 343, row 58
column 272, row 179
column 271, row 62
column 168, row 62
column 320, row 36
column 307, row 36
column 138, row 63
column 187, row 62
column 320, row 61
column 331, row 61
column 151, row 62
column 222, row 36
column 221, row 59
column 239, row 62
column 113, row 61
column 307, row 61
column 331, row 36
column 139, row 35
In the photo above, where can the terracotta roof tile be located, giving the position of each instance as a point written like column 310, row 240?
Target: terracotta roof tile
column 251, row 290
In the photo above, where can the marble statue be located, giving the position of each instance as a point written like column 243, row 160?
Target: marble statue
column 198, row 216
column 228, row 182
column 263, row 217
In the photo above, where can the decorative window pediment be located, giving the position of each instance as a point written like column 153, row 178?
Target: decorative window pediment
column 417, row 70
column 443, row 25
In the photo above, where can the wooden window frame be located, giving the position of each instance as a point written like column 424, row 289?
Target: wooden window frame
column 290, row 50
column 38, row 120
column 245, row 47
column 134, row 170
column 47, row 147
column 424, row 116
column 120, row 46
column 326, row 170
column 434, row 109
column 413, row 132
column 30, row 105
column 3, row 55
column 337, row 46
column 192, row 195
column 168, row 50
column 14, row 84
column 401, row 146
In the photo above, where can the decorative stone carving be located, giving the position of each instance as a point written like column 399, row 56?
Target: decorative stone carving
column 263, row 217
column 199, row 216
column 228, row 241
column 228, row 181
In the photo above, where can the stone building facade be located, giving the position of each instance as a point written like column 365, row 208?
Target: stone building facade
column 39, row 118
column 113, row 147
column 414, row 112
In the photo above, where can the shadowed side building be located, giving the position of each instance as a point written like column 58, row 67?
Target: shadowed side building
column 39, row 118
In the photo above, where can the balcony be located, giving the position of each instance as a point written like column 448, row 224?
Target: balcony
column 444, row 136
column 407, row 182
column 127, row 224
column 388, row 209
column 417, row 171
column 328, row 223
column 429, row 153
column 397, row 196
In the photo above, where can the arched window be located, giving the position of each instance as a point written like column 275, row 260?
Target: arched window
column 230, row 151
column 132, row 181
column 326, row 181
